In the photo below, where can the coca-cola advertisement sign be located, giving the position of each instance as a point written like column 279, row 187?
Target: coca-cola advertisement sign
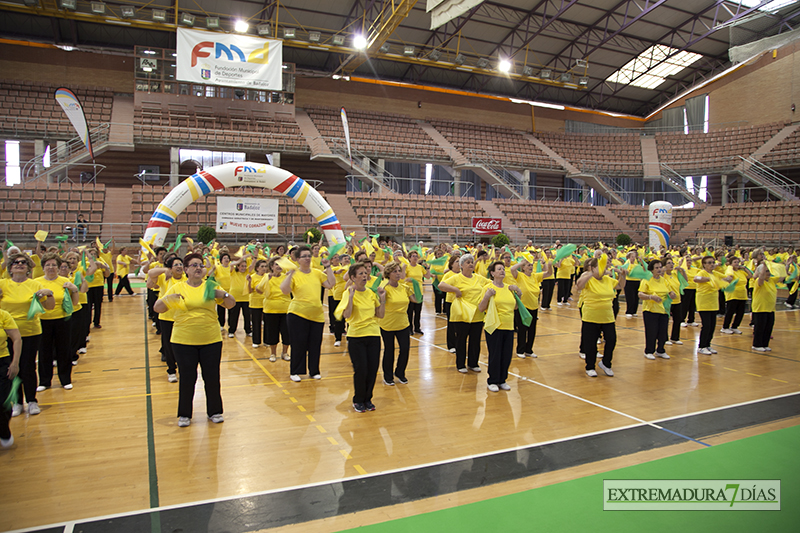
column 486, row 226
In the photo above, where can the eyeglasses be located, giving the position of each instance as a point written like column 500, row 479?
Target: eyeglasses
column 304, row 257
column 195, row 265
column 20, row 262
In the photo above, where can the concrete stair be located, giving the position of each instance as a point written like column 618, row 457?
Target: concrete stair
column 689, row 230
column 458, row 158
column 491, row 210
column 120, row 137
column 774, row 141
column 347, row 217
column 621, row 226
column 117, row 216
column 652, row 169
column 311, row 133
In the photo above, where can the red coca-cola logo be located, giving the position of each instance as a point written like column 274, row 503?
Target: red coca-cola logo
column 487, row 226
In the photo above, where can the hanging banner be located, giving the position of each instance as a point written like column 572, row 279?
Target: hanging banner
column 346, row 127
column 227, row 59
column 74, row 110
column 660, row 225
column 246, row 215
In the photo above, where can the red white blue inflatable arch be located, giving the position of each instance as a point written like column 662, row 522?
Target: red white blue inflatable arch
column 241, row 175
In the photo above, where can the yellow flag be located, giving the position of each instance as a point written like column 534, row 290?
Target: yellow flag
column 99, row 243
column 286, row 264
column 190, row 241
column 146, row 246
column 462, row 311
column 40, row 235
column 492, row 320
column 602, row 263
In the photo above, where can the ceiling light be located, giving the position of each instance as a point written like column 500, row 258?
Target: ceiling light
column 566, row 77
column 212, row 23
column 187, row 19
column 483, row 62
column 384, row 48
column 338, row 40
column 128, row 12
column 159, row 15
column 583, row 81
column 241, row 26
column 149, row 52
column 581, row 63
column 264, row 29
column 546, row 74
column 459, row 60
column 408, row 50
column 359, row 42
column 98, row 8
column 435, row 55
column 527, row 71
column 68, row 4
column 288, row 33
column 314, row 36
column 504, row 65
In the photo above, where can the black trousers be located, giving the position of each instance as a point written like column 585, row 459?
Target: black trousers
column 414, row 312
column 257, row 323
column 547, row 292
column 110, row 283
column 451, row 331
column 221, row 315
column 166, row 345
column 762, row 328
column 792, row 297
column 55, row 346
column 564, row 290
column 468, row 343
column 208, row 356
column 365, row 354
column 500, row 345
column 655, row 331
column 676, row 310
column 275, row 329
column 526, row 334
column 709, row 320
column 337, row 326
column 615, row 304
column 123, row 283
column 721, row 303
column 734, row 310
column 233, row 317
column 438, row 300
column 307, row 345
column 78, row 330
column 590, row 332
column 5, row 389
column 152, row 296
column 689, row 305
column 27, row 367
column 95, row 298
column 631, row 296
column 403, row 337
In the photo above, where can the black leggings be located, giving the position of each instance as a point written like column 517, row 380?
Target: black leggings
column 5, row 389
column 55, row 346
column 689, row 305
column 27, row 367
column 676, row 310
column 306, row 344
column 414, row 312
column 547, row 292
column 734, row 309
column 123, row 283
column 564, row 288
column 500, row 345
column 631, row 296
column 166, row 345
column 95, row 297
column 209, row 357
column 233, row 317
column 590, row 332
column 337, row 326
column 365, row 354
column 403, row 337
column 762, row 328
column 451, row 331
column 468, row 343
column 257, row 323
column 655, row 331
column 79, row 329
column 709, row 320
column 525, row 334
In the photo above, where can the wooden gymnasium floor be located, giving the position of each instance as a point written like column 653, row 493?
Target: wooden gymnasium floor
column 111, row 446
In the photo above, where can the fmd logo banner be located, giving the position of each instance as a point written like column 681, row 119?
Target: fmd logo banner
column 691, row 495
column 229, row 59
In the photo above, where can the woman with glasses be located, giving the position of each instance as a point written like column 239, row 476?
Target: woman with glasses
column 395, row 323
column 653, row 292
column 256, row 272
column 164, row 278
column 276, row 305
column 196, row 338
column 81, row 315
column 16, row 294
column 306, row 318
column 709, row 282
column 55, row 341
column 500, row 342
column 238, row 269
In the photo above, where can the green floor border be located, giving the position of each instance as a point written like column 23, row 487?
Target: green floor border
column 155, row 520
column 578, row 504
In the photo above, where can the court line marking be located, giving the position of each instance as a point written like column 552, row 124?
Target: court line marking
column 152, row 464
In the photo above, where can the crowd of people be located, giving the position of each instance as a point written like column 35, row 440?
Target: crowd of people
column 50, row 299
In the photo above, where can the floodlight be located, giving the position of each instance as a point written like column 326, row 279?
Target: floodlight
column 408, row 50
column 483, row 62
column 187, row 19
column 98, row 8
column 504, row 65
column 314, row 36
column 359, row 42
column 459, row 60
column 159, row 15
column 435, row 55
column 264, row 29
column 583, row 81
column 581, row 63
column 338, row 40
column 212, row 23
column 288, row 33
column 384, row 48
column 546, row 74
column 566, row 77
column 241, row 26
column 128, row 12
column 69, row 4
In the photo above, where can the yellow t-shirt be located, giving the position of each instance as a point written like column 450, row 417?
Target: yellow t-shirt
column 740, row 291
column 6, row 322
column 530, row 287
column 396, row 316
column 481, row 268
column 658, row 287
column 362, row 321
column 256, row 298
column 338, row 289
column 238, row 279
column 17, row 298
column 38, row 270
column 316, row 262
column 764, row 296
column 223, row 276
column 275, row 302
column 154, row 264
column 123, row 265
column 707, row 297
column 691, row 268
column 471, row 292
column 198, row 325
column 82, row 298
column 674, row 285
column 57, row 286
column 449, row 296
column 505, row 303
column 99, row 279
column 306, row 289
column 164, row 285
column 597, row 296
column 566, row 269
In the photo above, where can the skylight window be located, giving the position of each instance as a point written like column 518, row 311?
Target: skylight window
column 651, row 68
column 771, row 7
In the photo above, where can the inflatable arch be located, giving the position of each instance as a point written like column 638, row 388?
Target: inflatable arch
column 241, row 175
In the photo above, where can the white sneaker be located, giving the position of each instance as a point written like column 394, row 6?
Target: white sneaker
column 250, row 334
column 68, row 386
column 505, row 386
column 679, row 343
column 216, row 418
column 172, row 378
column 476, row 369
column 560, row 304
column 759, row 349
column 337, row 343
column 650, row 356
column 7, row 443
column 628, row 316
column 521, row 355
column 230, row 335
column 734, row 330
column 712, row 350
column 767, row 349
column 790, row 306
column 531, row 355
column 463, row 370
column 727, row 331
column 684, row 325
column 494, row 388
column 74, row 363
column 452, row 350
column 82, row 351
column 662, row 355
column 591, row 373
column 16, row 410
column 256, row 345
column 694, row 324
column 33, row 408
column 668, row 343
column 273, row 358
column 704, row 351
column 286, row 357
column 316, row 376
column 294, row 377
column 184, row 421
column 605, row 369
column 41, row 388
column 635, row 315
column 582, row 355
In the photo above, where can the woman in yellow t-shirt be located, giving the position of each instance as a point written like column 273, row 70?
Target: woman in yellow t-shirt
column 564, row 272
column 417, row 272
column 16, row 294
column 276, row 305
column 81, row 315
column 765, row 293
column 468, row 289
column 653, row 292
column 671, row 273
column 306, row 319
column 97, row 285
column 339, row 265
column 123, row 269
column 395, row 323
column 196, row 338
column 362, row 309
column 500, row 341
column 735, row 301
column 55, row 341
column 238, row 269
column 257, row 271
column 529, row 283
column 548, row 283
column 709, row 282
column 9, row 368
column 223, row 276
column 453, row 268
column 597, row 314
column 164, row 278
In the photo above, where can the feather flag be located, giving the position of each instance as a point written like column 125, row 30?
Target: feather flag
column 74, row 111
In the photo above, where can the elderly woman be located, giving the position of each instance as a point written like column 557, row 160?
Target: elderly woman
column 632, row 287
column 305, row 318
column 362, row 309
column 123, row 263
column 765, row 294
column 257, row 270
column 223, row 276
column 16, row 294
column 453, row 268
column 395, row 324
column 238, row 269
column 500, row 341
column 676, row 309
column 529, row 283
column 597, row 314
column 339, row 265
column 196, row 338
column 9, row 368
column 709, row 282
column 736, row 300
column 164, row 278
column 653, row 292
column 468, row 290
column 276, row 305
column 417, row 272
column 55, row 342
column 81, row 315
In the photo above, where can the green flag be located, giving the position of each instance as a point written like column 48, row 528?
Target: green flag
column 731, row 286
column 682, row 283
column 375, row 285
column 35, row 308
column 66, row 304
column 417, row 289
column 638, row 272
column 211, row 285
column 524, row 315
column 13, row 394
column 564, row 251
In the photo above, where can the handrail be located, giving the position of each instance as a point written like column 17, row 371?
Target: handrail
column 385, row 178
column 668, row 174
column 64, row 155
column 769, row 177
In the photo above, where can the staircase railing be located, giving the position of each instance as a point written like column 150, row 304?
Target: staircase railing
column 65, row 156
column 502, row 174
column 362, row 163
column 674, row 179
column 770, row 179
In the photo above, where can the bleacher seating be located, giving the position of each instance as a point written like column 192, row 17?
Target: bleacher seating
column 384, row 135
column 50, row 207
column 755, row 223
column 615, row 155
column 637, row 217
column 30, row 108
column 505, row 146
column 568, row 221
column 785, row 154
